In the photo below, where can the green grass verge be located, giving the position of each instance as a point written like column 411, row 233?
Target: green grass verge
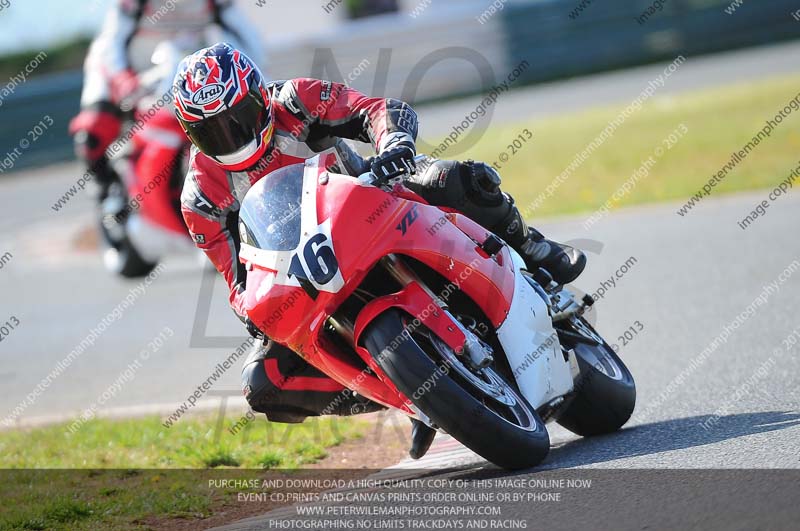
column 719, row 120
column 92, row 498
column 190, row 443
column 69, row 500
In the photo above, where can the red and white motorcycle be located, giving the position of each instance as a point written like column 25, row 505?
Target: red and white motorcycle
column 423, row 310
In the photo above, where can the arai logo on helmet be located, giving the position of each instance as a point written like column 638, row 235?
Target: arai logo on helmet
column 208, row 94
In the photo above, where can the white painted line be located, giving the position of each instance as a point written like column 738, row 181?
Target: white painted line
column 126, row 412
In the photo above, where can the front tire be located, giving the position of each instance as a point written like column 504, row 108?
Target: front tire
column 605, row 393
column 450, row 402
column 119, row 255
column 124, row 261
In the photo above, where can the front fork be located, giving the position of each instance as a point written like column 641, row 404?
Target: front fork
column 435, row 314
column 478, row 355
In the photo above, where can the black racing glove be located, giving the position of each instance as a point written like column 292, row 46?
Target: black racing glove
column 393, row 163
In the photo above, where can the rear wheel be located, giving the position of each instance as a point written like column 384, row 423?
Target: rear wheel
column 605, row 393
column 476, row 406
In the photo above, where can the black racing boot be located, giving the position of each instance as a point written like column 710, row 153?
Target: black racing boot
column 473, row 188
column 421, row 438
column 563, row 262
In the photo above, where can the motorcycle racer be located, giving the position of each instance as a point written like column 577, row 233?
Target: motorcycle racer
column 244, row 128
column 131, row 31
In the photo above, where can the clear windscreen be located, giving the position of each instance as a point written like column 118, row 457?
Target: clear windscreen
column 269, row 218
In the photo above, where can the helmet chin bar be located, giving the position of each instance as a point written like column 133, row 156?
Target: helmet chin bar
column 247, row 156
column 240, row 156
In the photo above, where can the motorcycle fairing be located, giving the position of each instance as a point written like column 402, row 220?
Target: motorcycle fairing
column 347, row 228
column 533, row 348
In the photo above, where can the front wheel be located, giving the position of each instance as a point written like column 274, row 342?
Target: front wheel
column 478, row 407
column 119, row 255
column 125, row 261
column 605, row 393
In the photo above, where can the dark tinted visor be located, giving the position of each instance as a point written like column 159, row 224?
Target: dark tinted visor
column 232, row 129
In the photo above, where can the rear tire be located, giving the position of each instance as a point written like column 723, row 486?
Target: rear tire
column 449, row 404
column 605, row 391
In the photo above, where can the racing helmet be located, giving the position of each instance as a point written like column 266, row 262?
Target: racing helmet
column 223, row 104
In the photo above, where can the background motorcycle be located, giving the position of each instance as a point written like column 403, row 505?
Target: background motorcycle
column 424, row 311
column 140, row 219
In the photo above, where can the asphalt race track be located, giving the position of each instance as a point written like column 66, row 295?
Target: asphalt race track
column 734, row 407
column 692, row 276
